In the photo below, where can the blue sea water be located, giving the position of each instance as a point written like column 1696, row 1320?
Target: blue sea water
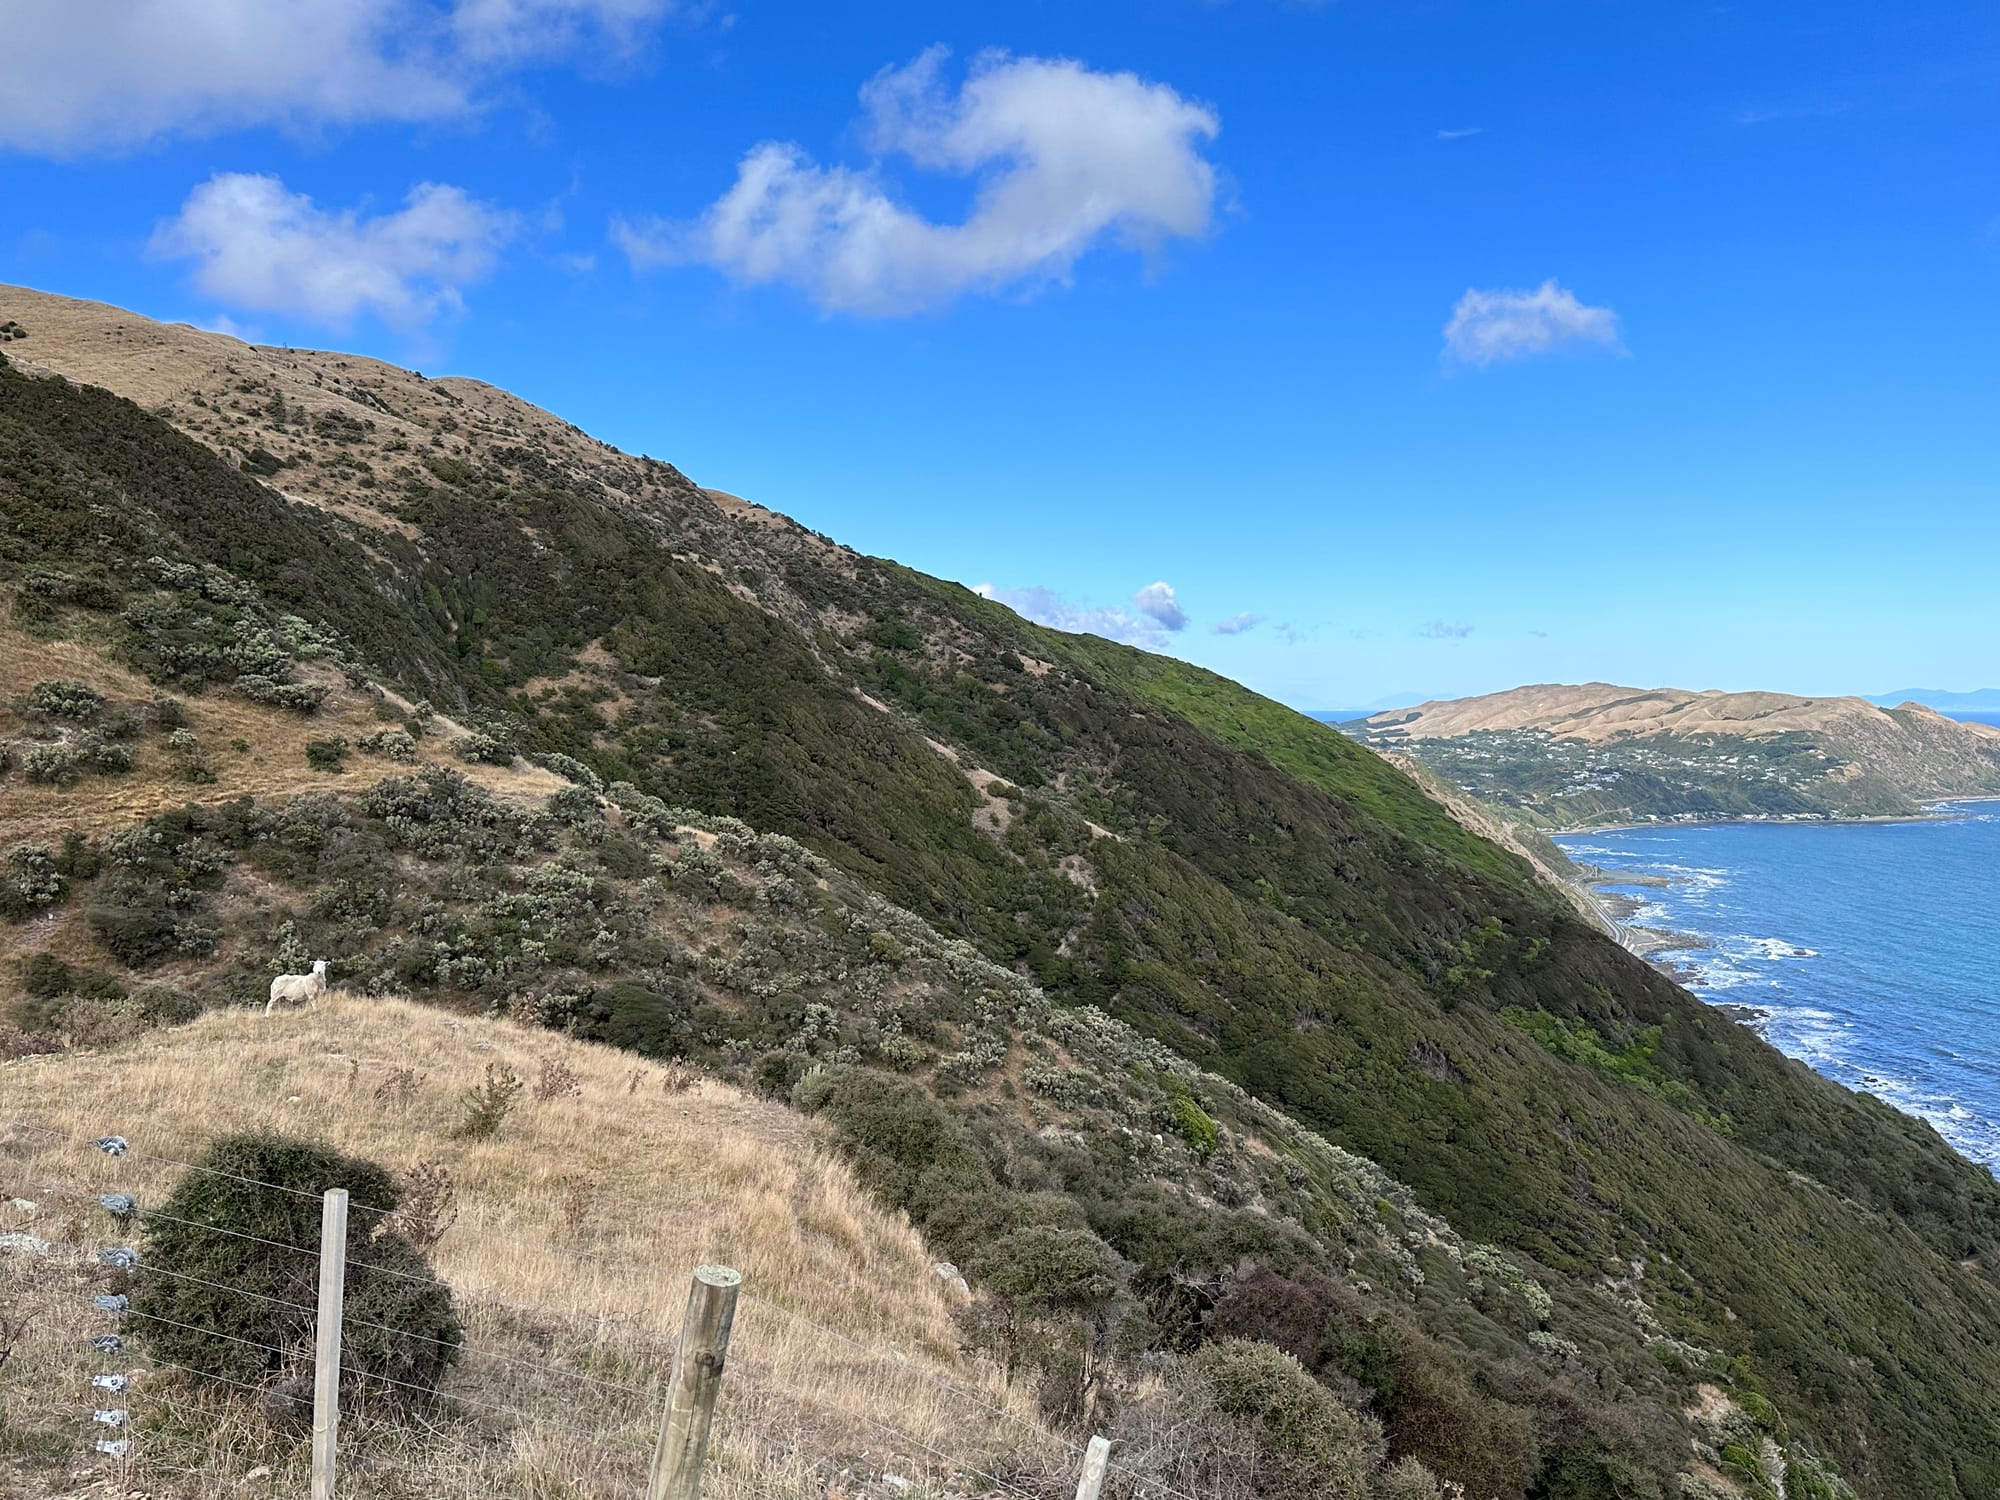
column 1868, row 950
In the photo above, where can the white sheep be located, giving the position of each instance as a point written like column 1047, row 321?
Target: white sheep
column 304, row 988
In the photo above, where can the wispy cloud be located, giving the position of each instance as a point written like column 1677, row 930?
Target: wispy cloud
column 1444, row 630
column 139, row 69
column 224, row 324
column 1776, row 114
column 1489, row 327
column 1237, row 624
column 258, row 246
column 1047, row 607
column 1158, row 603
column 1066, row 158
column 1459, row 135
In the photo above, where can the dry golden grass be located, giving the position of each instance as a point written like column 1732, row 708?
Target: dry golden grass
column 216, row 389
column 272, row 765
column 580, row 1222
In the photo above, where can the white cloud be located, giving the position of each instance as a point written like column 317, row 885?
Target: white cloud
column 224, row 324
column 1156, row 601
column 260, row 247
column 131, row 70
column 1064, row 158
column 1460, row 135
column 1488, row 327
column 1237, row 624
column 520, row 30
column 1047, row 607
column 1445, row 630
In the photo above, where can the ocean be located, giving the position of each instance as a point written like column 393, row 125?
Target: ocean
column 1867, row 950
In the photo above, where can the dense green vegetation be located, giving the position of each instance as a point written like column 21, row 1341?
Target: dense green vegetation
column 1248, row 893
column 1295, row 744
column 237, row 1262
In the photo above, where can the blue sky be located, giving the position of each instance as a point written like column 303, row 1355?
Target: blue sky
column 1425, row 347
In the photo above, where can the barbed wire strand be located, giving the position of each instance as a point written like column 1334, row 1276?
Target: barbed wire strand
column 257, row 1182
column 1074, row 1448
column 480, row 1295
column 256, row 1390
column 483, row 1351
column 175, row 1161
column 361, row 1374
column 510, row 1411
column 538, row 1244
column 212, row 1333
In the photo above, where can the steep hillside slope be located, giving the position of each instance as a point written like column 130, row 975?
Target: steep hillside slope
column 1304, row 951
column 1573, row 756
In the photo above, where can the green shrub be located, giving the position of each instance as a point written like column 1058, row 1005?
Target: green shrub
column 894, row 635
column 905, row 1145
column 484, row 748
column 1314, row 1447
column 1048, row 1269
column 51, row 765
column 304, row 698
column 1436, row 1415
column 487, row 1104
column 245, row 1262
column 169, row 713
column 1408, row 1480
column 78, row 860
column 575, row 805
column 441, row 814
column 572, row 769
column 394, row 744
column 190, row 763
column 136, row 932
column 1194, row 1125
column 33, row 881
column 62, row 698
column 101, row 754
column 44, row 976
column 167, row 1007
column 329, row 754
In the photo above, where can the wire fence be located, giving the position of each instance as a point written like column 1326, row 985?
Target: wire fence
column 769, row 1408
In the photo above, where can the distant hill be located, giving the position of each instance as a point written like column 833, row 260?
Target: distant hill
column 1979, row 700
column 1595, row 754
column 1168, row 1014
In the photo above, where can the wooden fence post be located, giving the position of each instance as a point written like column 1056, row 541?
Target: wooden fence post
column 326, row 1340
column 1095, row 1460
column 694, row 1384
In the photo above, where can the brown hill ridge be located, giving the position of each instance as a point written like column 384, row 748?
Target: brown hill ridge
column 1598, row 711
column 1596, row 752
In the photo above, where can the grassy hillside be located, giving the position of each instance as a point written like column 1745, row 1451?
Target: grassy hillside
column 1304, row 953
column 578, row 1223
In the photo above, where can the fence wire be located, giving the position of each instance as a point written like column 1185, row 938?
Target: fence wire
column 118, row 1147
